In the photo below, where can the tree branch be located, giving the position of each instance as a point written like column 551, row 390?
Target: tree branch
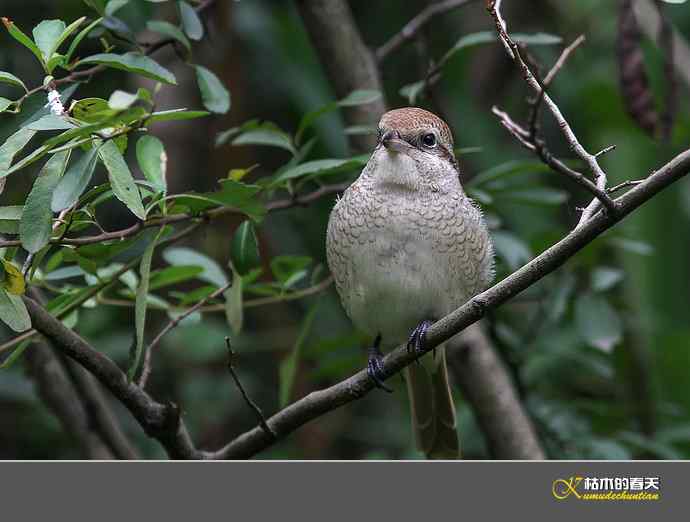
column 349, row 64
column 60, row 396
column 148, row 353
column 411, row 28
column 494, row 8
column 160, row 421
column 487, row 386
column 212, row 214
column 163, row 422
column 320, row 402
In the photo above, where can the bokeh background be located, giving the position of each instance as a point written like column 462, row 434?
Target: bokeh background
column 599, row 351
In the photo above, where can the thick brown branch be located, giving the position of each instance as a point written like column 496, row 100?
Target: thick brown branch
column 159, row 421
column 349, row 64
column 487, row 386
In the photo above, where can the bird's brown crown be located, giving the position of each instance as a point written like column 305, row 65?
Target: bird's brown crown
column 408, row 120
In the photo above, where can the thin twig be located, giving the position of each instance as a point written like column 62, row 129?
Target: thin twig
column 625, row 184
column 248, row 303
column 493, row 6
column 163, row 422
column 98, row 288
column 557, row 66
column 148, row 354
column 560, row 62
column 124, row 233
column 411, row 28
column 539, row 147
column 259, row 414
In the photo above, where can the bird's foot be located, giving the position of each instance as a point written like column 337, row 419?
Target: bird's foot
column 375, row 369
column 417, row 338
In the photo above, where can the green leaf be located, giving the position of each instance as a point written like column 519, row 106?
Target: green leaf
column 604, row 278
column 235, row 194
column 11, row 148
column 319, row 167
column 98, row 5
column 134, row 63
column 506, row 170
column 234, row 311
column 309, row 118
column 190, row 21
column 181, row 256
column 537, row 39
column 22, row 38
column 141, row 303
column 215, row 96
column 121, row 100
column 632, row 245
column 91, row 110
column 51, row 122
column 360, row 97
column 13, row 279
column 535, row 196
column 77, row 39
column 47, row 36
column 13, row 312
column 16, row 354
column 36, row 225
column 258, row 133
column 4, row 103
column 6, row 77
column 76, row 179
column 9, row 219
column 168, row 30
column 121, row 179
column 511, row 248
column 483, row 37
column 153, row 161
column 411, row 91
column 173, row 275
column 114, row 5
column 288, row 368
column 284, row 268
column 175, row 115
column 244, row 248
column 597, row 322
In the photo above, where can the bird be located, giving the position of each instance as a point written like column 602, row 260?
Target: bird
column 406, row 246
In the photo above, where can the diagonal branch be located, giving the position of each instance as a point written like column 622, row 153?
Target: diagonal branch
column 320, row 402
column 163, row 422
column 411, row 28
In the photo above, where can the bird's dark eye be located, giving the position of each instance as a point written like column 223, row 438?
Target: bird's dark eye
column 429, row 140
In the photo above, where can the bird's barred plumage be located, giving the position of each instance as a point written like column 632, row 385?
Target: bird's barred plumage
column 405, row 244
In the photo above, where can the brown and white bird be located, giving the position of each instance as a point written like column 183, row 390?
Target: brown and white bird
column 406, row 246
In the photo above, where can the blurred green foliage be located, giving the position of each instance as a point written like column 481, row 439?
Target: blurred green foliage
column 599, row 351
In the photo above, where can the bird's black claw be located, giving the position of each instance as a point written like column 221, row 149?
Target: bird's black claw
column 375, row 369
column 417, row 338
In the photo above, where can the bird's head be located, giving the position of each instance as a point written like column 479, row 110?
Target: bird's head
column 415, row 151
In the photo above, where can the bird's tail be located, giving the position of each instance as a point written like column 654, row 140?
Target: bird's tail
column 433, row 411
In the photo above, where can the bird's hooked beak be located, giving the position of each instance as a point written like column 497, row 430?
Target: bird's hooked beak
column 393, row 142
